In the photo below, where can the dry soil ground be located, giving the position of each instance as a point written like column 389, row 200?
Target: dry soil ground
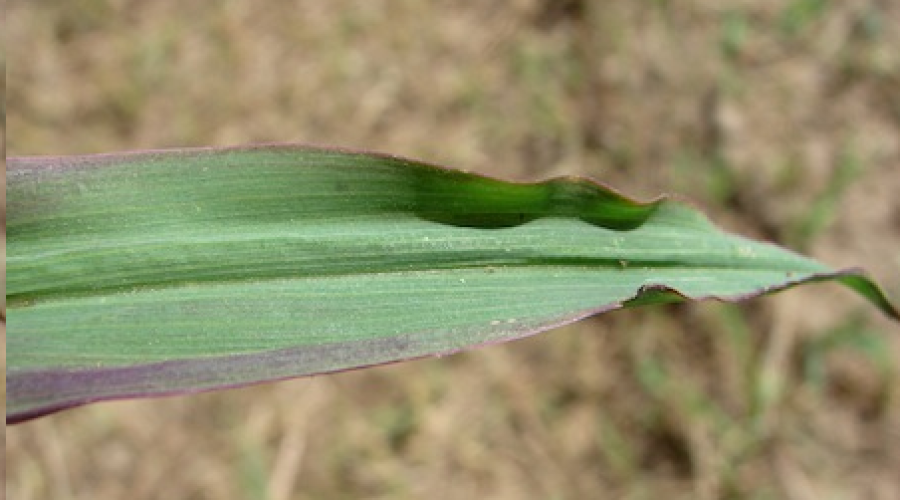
column 781, row 118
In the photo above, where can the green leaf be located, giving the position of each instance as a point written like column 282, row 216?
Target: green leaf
column 141, row 274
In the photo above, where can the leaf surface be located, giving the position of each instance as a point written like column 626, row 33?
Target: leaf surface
column 142, row 274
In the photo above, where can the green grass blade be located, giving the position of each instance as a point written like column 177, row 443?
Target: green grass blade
column 141, row 274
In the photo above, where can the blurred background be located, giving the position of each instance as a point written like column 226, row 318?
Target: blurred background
column 780, row 118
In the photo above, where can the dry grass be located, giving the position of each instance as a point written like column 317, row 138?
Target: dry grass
column 781, row 118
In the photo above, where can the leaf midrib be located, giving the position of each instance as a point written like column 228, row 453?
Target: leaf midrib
column 625, row 266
